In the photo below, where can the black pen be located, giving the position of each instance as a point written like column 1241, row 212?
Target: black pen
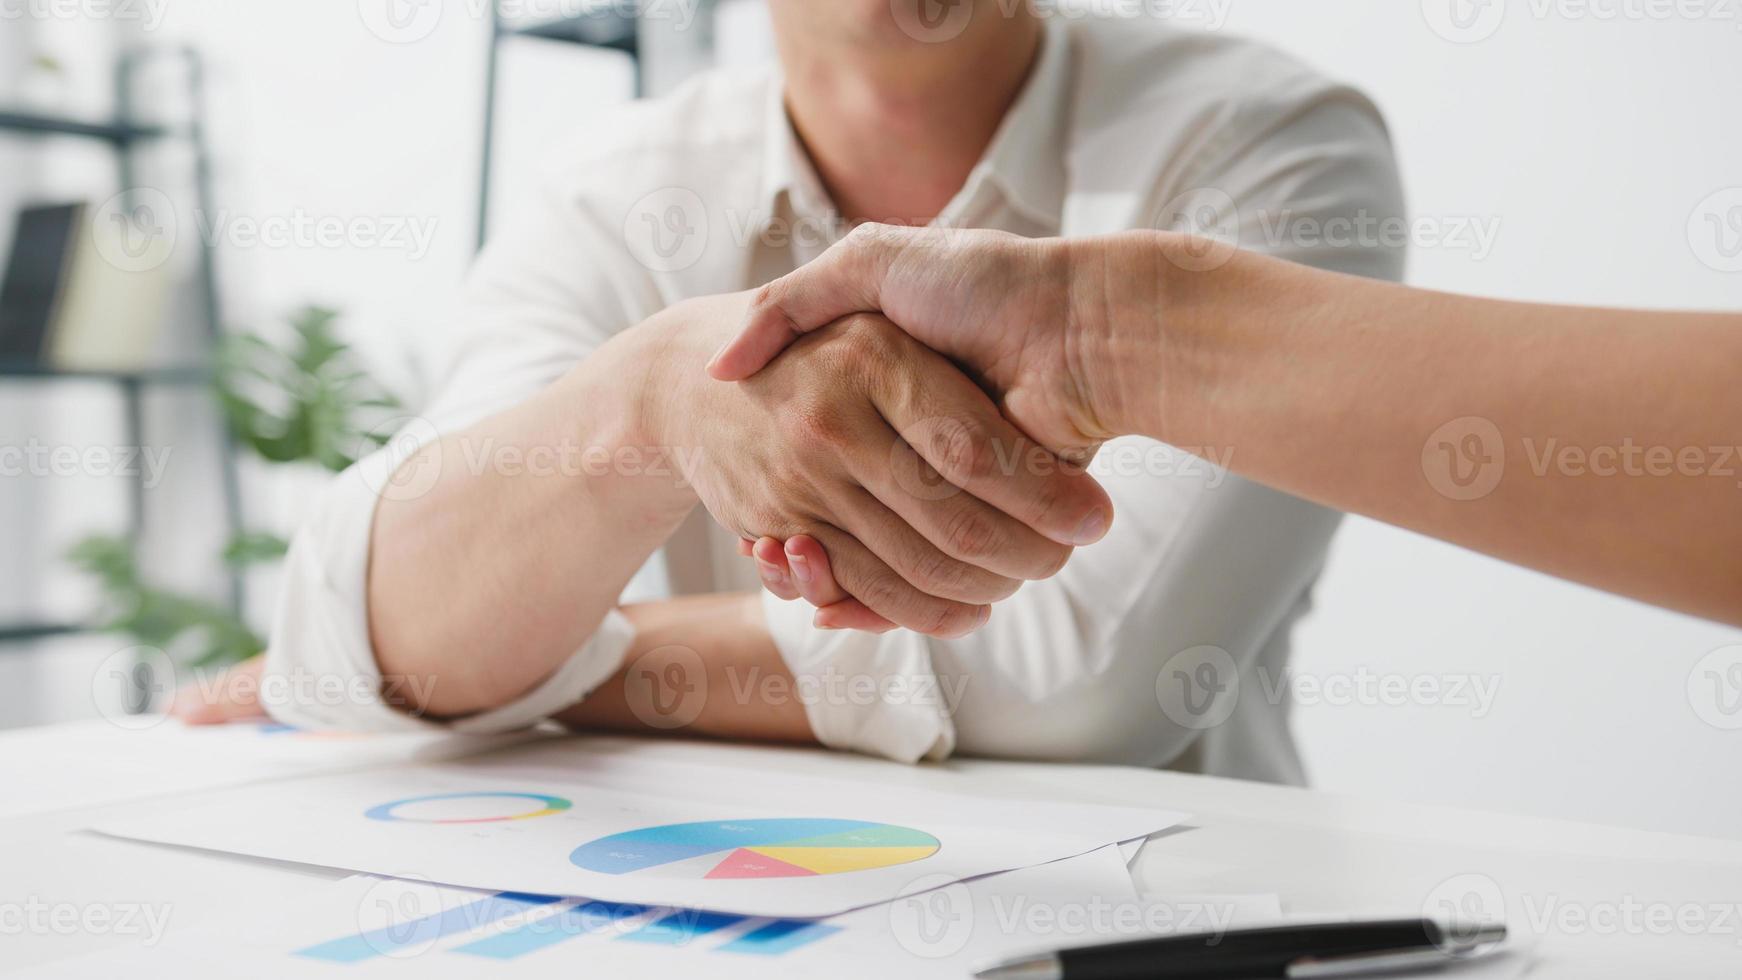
column 1334, row 949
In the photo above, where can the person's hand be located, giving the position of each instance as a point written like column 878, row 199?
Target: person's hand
column 1014, row 311
column 234, row 697
column 930, row 503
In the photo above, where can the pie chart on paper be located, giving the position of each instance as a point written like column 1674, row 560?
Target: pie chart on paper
column 769, row 848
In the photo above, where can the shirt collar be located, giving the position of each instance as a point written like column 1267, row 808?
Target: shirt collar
column 1025, row 160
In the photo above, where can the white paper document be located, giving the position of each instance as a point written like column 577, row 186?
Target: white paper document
column 639, row 828
column 101, row 762
column 383, row 928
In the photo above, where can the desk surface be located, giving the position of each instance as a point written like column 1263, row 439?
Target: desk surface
column 1591, row 901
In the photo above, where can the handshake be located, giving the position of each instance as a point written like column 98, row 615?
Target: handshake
column 906, row 436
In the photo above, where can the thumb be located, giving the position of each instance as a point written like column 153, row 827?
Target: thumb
column 845, row 279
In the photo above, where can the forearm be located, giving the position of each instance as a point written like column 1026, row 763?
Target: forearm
column 482, row 586
column 1586, row 443
column 704, row 665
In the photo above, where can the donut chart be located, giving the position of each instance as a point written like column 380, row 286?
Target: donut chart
column 785, row 847
column 472, row 807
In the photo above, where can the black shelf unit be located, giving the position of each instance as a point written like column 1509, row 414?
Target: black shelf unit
column 604, row 27
column 124, row 135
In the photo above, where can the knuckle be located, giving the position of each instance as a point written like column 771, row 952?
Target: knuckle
column 972, row 536
column 816, row 426
column 965, row 449
column 939, row 574
column 765, row 296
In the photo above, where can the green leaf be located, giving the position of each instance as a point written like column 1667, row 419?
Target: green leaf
column 307, row 401
column 253, row 548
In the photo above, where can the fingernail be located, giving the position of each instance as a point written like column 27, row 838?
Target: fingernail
column 801, row 567
column 1092, row 529
column 771, row 574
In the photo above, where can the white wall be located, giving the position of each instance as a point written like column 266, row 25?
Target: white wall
column 1590, row 142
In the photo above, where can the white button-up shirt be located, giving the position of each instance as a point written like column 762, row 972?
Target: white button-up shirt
column 1164, row 644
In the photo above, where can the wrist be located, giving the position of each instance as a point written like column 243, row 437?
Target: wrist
column 629, row 406
column 1116, row 289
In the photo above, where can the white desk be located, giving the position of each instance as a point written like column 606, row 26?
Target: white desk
column 1595, row 901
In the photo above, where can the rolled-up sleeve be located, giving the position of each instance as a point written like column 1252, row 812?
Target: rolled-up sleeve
column 547, row 292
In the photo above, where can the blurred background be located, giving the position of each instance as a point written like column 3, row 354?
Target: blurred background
column 272, row 204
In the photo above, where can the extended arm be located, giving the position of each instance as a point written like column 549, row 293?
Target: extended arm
column 1587, row 443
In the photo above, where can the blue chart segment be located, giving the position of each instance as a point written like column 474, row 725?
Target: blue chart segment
column 570, row 923
column 769, row 848
column 779, row 936
column 413, row 933
column 469, row 925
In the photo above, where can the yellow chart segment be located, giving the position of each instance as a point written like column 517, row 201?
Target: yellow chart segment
column 835, row 860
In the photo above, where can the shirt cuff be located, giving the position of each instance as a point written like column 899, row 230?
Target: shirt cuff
column 863, row 692
column 320, row 668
